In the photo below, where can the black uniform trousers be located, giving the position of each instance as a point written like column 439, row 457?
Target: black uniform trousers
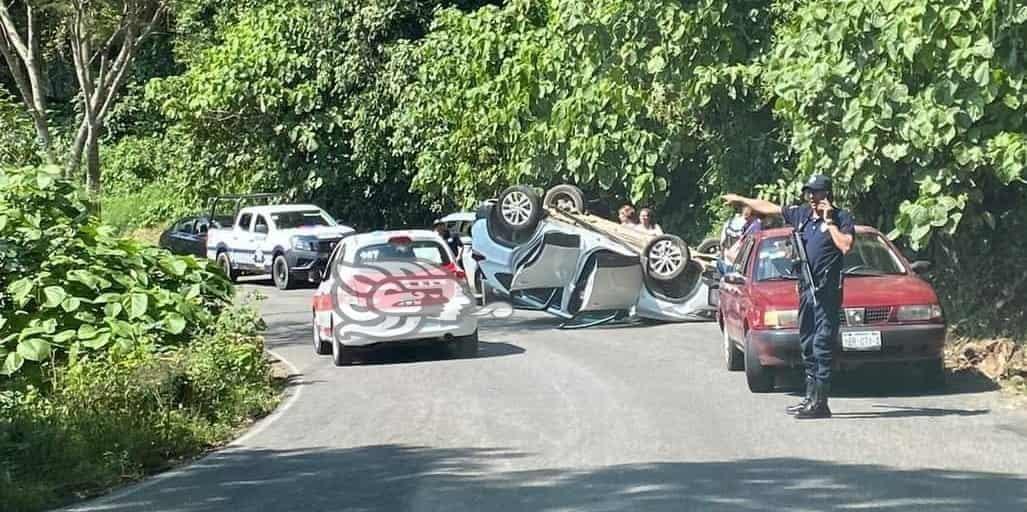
column 818, row 331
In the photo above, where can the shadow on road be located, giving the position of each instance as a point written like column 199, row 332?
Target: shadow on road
column 890, row 381
column 399, row 354
column 399, row 477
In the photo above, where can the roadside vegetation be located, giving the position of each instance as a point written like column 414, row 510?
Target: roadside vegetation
column 116, row 358
column 391, row 112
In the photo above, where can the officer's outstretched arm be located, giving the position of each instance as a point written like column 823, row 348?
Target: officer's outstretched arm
column 759, row 206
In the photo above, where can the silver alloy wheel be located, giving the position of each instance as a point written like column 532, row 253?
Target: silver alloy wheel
column 516, row 208
column 665, row 259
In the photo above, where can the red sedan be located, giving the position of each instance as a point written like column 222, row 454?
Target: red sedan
column 890, row 314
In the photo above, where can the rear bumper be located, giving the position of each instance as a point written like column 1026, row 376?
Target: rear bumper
column 899, row 344
column 428, row 331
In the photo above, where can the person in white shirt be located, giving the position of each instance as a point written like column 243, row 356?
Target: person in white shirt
column 646, row 223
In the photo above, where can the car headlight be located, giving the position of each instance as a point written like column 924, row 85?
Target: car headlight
column 304, row 244
column 919, row 313
column 781, row 318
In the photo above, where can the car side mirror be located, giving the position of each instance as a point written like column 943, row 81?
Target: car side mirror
column 734, row 278
column 921, row 266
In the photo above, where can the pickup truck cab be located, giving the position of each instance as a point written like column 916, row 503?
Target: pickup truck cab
column 291, row 242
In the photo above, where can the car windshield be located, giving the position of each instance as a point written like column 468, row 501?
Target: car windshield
column 420, row 250
column 300, row 219
column 870, row 256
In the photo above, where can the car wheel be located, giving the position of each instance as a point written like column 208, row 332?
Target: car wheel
column 709, row 246
column 280, row 273
column 732, row 355
column 933, row 374
column 321, row 347
column 666, row 257
column 565, row 197
column 466, row 347
column 759, row 377
column 226, row 266
column 341, row 354
column 519, row 209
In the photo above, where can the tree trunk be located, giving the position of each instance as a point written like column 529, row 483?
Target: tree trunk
column 93, row 163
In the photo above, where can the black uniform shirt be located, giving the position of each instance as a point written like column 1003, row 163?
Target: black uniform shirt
column 825, row 257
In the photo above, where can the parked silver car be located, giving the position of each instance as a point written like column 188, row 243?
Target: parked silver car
column 550, row 255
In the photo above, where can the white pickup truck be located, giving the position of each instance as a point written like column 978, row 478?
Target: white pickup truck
column 291, row 241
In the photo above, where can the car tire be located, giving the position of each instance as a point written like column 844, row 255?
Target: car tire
column 666, row 257
column 283, row 279
column 760, row 378
column 709, row 246
column 518, row 210
column 321, row 347
column 933, row 374
column 733, row 357
column 341, row 354
column 466, row 347
column 565, row 197
column 225, row 264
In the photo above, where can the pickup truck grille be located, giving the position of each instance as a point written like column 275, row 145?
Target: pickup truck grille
column 326, row 245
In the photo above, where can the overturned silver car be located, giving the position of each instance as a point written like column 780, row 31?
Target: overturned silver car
column 548, row 254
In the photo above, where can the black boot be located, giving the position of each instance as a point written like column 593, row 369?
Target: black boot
column 818, row 407
column 794, row 409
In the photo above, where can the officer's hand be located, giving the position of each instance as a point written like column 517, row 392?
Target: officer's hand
column 826, row 209
column 732, row 199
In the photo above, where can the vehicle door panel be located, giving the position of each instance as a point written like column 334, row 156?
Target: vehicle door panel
column 609, row 281
column 242, row 241
column 731, row 295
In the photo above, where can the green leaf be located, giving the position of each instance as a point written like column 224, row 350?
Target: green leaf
column 982, row 74
column 54, row 295
column 71, row 304
column 3, row 222
column 98, row 342
column 656, row 64
column 113, row 309
column 174, row 323
column 34, row 349
column 65, row 336
column 87, row 331
column 138, row 303
column 20, row 290
column 12, row 363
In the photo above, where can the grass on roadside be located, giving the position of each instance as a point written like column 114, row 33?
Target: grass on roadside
column 120, row 416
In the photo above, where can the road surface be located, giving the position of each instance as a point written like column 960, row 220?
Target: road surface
column 618, row 418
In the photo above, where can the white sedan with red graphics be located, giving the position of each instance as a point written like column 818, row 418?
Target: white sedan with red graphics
column 392, row 287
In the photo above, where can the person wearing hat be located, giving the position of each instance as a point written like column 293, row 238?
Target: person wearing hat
column 827, row 233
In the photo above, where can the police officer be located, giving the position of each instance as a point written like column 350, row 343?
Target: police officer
column 827, row 234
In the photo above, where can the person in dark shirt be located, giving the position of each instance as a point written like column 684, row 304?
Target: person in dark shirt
column 827, row 234
column 456, row 246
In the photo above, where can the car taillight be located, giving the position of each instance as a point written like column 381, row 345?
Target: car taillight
column 400, row 240
column 455, row 270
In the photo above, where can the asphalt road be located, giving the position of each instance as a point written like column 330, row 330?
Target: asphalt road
column 620, row 418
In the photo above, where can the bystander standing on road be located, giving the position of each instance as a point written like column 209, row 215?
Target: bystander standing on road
column 827, row 234
column 646, row 222
column 626, row 215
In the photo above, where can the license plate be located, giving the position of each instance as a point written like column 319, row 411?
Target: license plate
column 861, row 340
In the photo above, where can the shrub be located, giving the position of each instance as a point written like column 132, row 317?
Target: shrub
column 69, row 287
column 120, row 414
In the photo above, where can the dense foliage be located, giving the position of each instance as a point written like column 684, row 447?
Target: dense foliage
column 69, row 287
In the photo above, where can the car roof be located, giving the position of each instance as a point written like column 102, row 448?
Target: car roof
column 785, row 231
column 280, row 208
column 458, row 217
column 381, row 237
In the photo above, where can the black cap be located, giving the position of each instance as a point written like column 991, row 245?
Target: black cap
column 817, row 182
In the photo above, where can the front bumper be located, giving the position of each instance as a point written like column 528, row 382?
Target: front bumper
column 309, row 262
column 899, row 344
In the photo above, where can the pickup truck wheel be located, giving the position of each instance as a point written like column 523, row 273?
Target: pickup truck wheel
column 226, row 266
column 666, row 257
column 760, row 378
column 280, row 273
